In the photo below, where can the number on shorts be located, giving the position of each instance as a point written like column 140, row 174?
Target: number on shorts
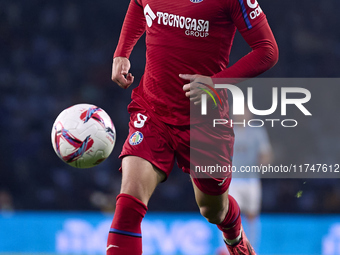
column 139, row 123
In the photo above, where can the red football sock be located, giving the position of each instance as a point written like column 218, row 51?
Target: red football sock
column 125, row 235
column 231, row 225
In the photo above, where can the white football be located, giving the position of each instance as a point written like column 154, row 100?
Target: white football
column 83, row 135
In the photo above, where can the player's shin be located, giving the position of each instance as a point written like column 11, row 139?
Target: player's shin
column 125, row 236
column 231, row 224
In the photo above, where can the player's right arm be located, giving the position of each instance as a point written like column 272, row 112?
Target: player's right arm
column 120, row 72
column 132, row 29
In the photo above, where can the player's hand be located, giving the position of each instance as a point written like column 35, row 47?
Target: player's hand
column 194, row 89
column 120, row 72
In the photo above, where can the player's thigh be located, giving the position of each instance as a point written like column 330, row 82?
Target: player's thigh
column 140, row 178
column 147, row 155
column 206, row 154
column 212, row 207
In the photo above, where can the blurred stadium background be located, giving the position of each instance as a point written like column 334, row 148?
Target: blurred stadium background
column 54, row 54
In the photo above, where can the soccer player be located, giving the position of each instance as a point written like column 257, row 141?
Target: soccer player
column 187, row 44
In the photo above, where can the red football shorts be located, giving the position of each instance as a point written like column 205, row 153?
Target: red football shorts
column 161, row 143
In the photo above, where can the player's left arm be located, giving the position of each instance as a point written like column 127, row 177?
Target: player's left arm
column 252, row 23
column 254, row 28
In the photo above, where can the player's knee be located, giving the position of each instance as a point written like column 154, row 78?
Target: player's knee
column 213, row 215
